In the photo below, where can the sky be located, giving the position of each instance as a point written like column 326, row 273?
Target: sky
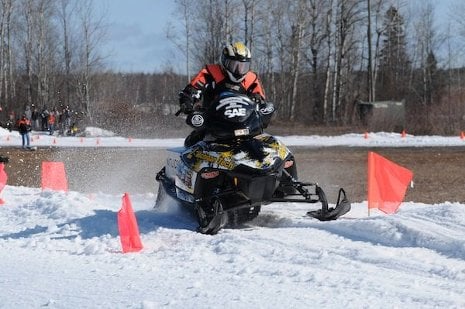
column 63, row 250
column 136, row 33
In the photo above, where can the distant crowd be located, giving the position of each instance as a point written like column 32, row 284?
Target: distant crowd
column 61, row 121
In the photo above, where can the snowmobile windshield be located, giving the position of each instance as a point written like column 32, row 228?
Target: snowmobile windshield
column 233, row 115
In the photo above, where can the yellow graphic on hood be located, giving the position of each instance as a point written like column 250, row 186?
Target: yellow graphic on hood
column 224, row 159
column 274, row 144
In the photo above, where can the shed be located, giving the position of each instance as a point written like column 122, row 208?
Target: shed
column 382, row 115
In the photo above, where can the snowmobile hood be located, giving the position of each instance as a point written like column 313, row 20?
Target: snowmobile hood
column 261, row 152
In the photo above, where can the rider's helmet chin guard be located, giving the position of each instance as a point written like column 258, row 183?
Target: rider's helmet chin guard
column 235, row 60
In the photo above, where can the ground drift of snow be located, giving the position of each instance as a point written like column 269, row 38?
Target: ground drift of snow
column 62, row 250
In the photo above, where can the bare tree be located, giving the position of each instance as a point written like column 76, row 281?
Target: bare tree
column 375, row 29
column 298, row 28
column 250, row 15
column 44, row 53
column 263, row 46
column 185, row 11
column 214, row 28
column 7, row 86
column 317, row 11
column 349, row 17
column 330, row 50
column 28, row 9
column 65, row 12
column 92, row 33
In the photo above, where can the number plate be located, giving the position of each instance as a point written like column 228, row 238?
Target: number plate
column 241, row 132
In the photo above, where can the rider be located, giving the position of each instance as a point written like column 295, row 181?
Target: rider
column 232, row 74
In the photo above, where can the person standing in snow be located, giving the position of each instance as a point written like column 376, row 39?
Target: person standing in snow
column 28, row 112
column 44, row 118
column 233, row 74
column 24, row 126
column 35, row 118
column 52, row 121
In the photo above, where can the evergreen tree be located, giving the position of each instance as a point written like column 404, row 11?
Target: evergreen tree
column 394, row 63
column 433, row 81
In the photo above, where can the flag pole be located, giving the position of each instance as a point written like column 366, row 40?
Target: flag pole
column 369, row 180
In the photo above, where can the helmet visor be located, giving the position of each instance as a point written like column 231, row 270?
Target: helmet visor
column 237, row 67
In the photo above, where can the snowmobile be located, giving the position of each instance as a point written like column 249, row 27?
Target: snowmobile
column 227, row 177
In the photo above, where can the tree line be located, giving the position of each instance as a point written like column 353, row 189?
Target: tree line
column 48, row 54
column 317, row 59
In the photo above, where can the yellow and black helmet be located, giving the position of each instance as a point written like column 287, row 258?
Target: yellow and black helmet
column 235, row 60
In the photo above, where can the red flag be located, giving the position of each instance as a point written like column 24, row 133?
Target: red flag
column 54, row 176
column 387, row 183
column 3, row 177
column 3, row 180
column 128, row 228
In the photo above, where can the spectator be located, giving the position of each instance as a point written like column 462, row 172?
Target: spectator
column 24, row 126
column 44, row 117
column 28, row 112
column 10, row 123
column 52, row 121
column 67, row 119
column 35, row 118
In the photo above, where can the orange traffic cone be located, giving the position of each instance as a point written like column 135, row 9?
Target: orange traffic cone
column 128, row 228
column 54, row 176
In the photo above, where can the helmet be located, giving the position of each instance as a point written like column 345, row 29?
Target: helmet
column 235, row 60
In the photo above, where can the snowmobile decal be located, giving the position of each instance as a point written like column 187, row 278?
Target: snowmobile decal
column 232, row 103
column 225, row 160
column 233, row 108
column 184, row 178
column 221, row 160
column 273, row 146
column 235, row 112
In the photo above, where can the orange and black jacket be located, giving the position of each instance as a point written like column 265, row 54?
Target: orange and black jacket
column 24, row 125
column 211, row 81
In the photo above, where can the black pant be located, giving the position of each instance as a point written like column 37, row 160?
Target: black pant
column 194, row 137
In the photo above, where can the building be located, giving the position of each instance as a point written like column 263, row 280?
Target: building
column 386, row 116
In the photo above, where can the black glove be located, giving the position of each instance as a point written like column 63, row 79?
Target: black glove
column 185, row 103
column 256, row 98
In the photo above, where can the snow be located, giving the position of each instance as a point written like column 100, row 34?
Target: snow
column 62, row 250
column 93, row 137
